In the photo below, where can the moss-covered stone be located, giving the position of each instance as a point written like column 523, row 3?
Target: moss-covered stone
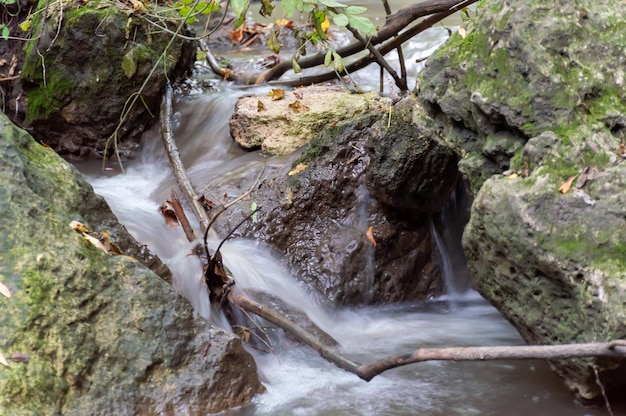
column 90, row 333
column 78, row 79
column 537, row 91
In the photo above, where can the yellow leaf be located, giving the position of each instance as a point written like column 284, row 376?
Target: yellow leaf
column 370, row 235
column 5, row 290
column 277, row 94
column 79, row 226
column 299, row 168
column 567, row 185
column 3, row 360
column 325, row 25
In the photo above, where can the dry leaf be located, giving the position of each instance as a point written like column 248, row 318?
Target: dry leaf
column 567, row 185
column 79, row 226
column 166, row 209
column 206, row 203
column 96, row 242
column 5, row 290
column 4, row 361
column 462, row 32
column 588, row 174
column 277, row 94
column 298, row 107
column 370, row 235
column 259, row 106
column 299, row 168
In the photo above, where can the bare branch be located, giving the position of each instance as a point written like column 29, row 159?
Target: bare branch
column 174, row 156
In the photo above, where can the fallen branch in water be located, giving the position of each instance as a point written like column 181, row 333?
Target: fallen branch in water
column 174, row 156
column 369, row 371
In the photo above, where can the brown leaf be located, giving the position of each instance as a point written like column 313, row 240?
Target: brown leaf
column 259, row 106
column 237, row 35
column 298, row 107
column 206, row 203
column 299, row 168
column 169, row 214
column 277, row 94
column 5, row 290
column 96, row 242
column 567, row 185
column 370, row 235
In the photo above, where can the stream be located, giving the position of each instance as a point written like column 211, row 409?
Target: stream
column 298, row 381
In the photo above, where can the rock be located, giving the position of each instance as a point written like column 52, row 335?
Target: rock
column 412, row 169
column 280, row 126
column 537, row 90
column 317, row 213
column 80, row 72
column 102, row 334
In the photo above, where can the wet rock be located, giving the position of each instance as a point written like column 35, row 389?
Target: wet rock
column 537, row 90
column 280, row 126
column 81, row 68
column 412, row 169
column 103, row 334
column 336, row 237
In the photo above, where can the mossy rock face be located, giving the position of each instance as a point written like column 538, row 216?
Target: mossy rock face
column 87, row 333
column 538, row 91
column 81, row 69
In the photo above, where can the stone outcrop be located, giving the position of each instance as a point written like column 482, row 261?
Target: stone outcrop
column 83, row 66
column 279, row 126
column 533, row 98
column 89, row 333
column 334, row 224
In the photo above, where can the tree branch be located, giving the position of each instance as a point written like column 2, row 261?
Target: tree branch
column 393, row 25
column 369, row 371
column 174, row 156
column 523, row 352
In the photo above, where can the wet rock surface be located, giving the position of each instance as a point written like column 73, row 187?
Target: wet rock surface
column 93, row 333
column 335, row 234
column 537, row 91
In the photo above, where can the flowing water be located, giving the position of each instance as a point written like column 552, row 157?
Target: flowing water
column 298, row 381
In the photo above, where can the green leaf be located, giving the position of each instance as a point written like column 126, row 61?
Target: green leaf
column 363, row 25
column 129, row 63
column 267, row 8
column 253, row 208
column 273, row 43
column 338, row 62
column 340, row 20
column 289, row 7
column 328, row 58
column 332, row 3
column 240, row 19
column 355, row 10
column 25, row 25
column 240, row 8
column 295, row 65
column 5, row 31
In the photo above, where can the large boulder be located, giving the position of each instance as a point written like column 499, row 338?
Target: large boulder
column 89, row 333
column 533, row 96
column 83, row 67
column 339, row 231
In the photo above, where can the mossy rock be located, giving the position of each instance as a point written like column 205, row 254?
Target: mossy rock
column 534, row 97
column 83, row 66
column 85, row 332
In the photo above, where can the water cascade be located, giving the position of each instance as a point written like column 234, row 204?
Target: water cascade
column 298, row 381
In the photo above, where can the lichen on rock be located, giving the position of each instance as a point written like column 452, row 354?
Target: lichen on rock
column 93, row 333
column 536, row 91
